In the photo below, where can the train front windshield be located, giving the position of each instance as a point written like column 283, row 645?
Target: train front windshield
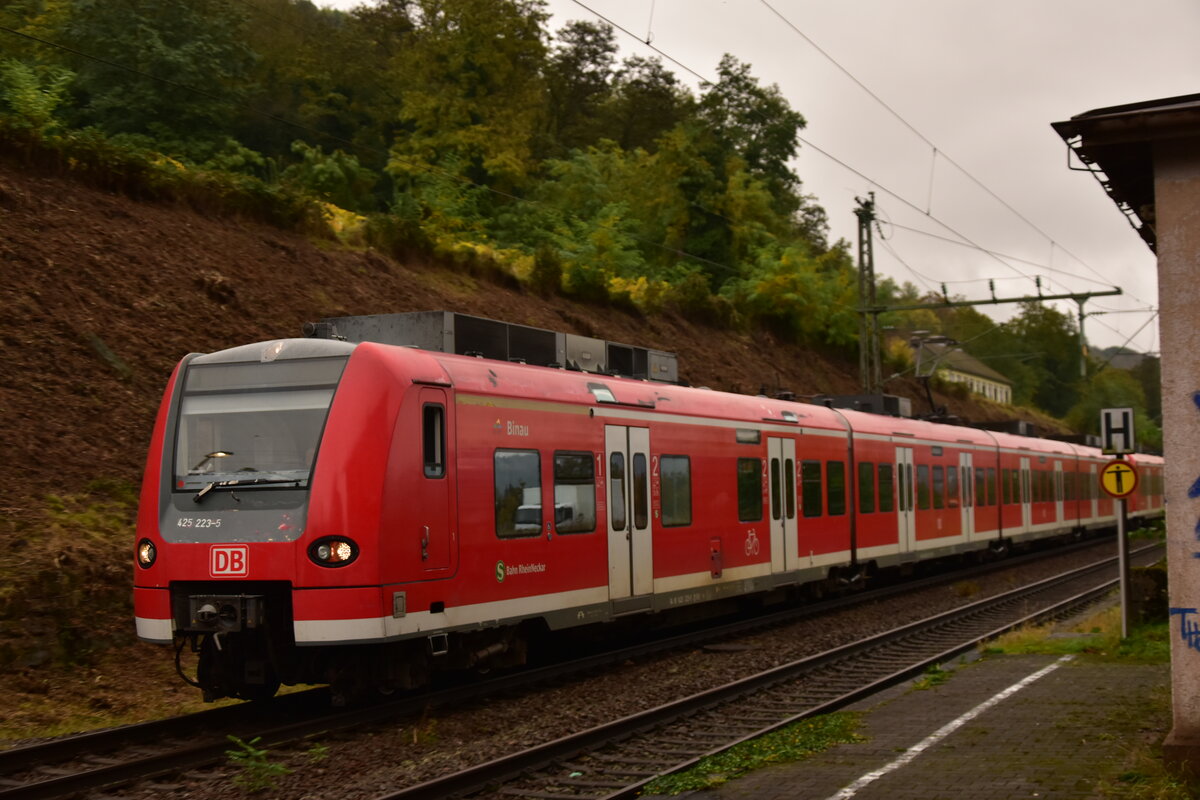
column 256, row 424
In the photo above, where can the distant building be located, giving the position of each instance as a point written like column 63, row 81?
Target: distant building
column 953, row 365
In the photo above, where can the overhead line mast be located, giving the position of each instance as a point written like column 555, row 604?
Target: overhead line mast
column 869, row 359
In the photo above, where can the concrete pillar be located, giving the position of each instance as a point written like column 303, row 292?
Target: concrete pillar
column 1177, row 224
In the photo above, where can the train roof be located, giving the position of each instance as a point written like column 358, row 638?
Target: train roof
column 498, row 378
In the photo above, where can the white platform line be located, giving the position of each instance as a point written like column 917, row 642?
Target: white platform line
column 944, row 731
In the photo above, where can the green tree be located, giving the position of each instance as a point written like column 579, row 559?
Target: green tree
column 33, row 95
column 1052, row 335
column 578, row 77
column 471, row 90
column 335, row 177
column 758, row 125
column 1115, row 388
column 182, row 70
column 646, row 101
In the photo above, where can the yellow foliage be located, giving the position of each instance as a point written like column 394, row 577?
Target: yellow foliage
column 350, row 228
column 645, row 294
column 159, row 160
column 899, row 354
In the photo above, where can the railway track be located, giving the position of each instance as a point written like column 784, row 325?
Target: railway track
column 116, row 757
column 618, row 759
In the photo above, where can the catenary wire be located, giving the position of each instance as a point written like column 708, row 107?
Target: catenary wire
column 966, row 240
column 933, row 147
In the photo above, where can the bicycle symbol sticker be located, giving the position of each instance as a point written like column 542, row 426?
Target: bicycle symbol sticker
column 751, row 546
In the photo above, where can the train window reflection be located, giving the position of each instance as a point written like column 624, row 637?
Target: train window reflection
column 616, row 491
column 641, row 498
column 676, row 479
column 518, row 493
column 750, row 489
column 574, row 492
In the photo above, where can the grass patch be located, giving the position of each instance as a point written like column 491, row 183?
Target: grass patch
column 1098, row 636
column 965, row 589
column 1143, row 775
column 120, row 687
column 934, row 676
column 795, row 742
column 64, row 578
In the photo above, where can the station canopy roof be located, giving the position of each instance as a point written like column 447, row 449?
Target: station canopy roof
column 1116, row 145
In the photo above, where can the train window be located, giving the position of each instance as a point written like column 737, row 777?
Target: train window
column 518, row 493
column 952, row 486
column 776, row 490
column 980, row 487
column 836, row 486
column 789, row 487
column 748, row 436
column 616, row 491
column 939, row 486
column 749, row 483
column 886, row 490
column 574, row 492
column 641, row 498
column 676, row 472
column 922, row 486
column 991, row 486
column 1005, row 486
column 866, row 487
column 433, row 437
column 1070, row 479
column 810, row 488
column 1015, row 476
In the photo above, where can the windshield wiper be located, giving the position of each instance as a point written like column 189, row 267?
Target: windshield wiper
column 242, row 482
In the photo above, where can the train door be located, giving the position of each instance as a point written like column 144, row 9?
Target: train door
column 1026, row 497
column 782, row 455
column 1058, row 491
column 906, row 515
column 630, row 555
column 965, row 470
column 434, row 501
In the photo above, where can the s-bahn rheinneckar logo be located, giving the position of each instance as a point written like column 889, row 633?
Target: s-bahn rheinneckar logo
column 501, row 572
column 229, row 561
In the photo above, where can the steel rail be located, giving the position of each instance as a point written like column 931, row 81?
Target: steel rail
column 306, row 714
column 508, row 768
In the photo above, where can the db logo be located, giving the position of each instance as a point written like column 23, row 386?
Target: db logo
column 229, row 561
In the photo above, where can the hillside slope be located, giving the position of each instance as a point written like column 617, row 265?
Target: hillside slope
column 102, row 295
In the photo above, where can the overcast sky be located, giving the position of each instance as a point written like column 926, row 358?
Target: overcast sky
column 978, row 81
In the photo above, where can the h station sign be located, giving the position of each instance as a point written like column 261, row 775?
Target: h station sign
column 1116, row 431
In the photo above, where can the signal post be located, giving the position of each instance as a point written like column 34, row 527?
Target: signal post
column 1119, row 478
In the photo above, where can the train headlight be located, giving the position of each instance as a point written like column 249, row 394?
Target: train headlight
column 146, row 553
column 333, row 551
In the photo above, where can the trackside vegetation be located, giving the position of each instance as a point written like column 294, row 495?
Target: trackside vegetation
column 793, row 743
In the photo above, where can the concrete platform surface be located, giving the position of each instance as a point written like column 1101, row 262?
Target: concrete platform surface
column 1000, row 728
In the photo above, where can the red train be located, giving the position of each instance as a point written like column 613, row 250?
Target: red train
column 362, row 514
